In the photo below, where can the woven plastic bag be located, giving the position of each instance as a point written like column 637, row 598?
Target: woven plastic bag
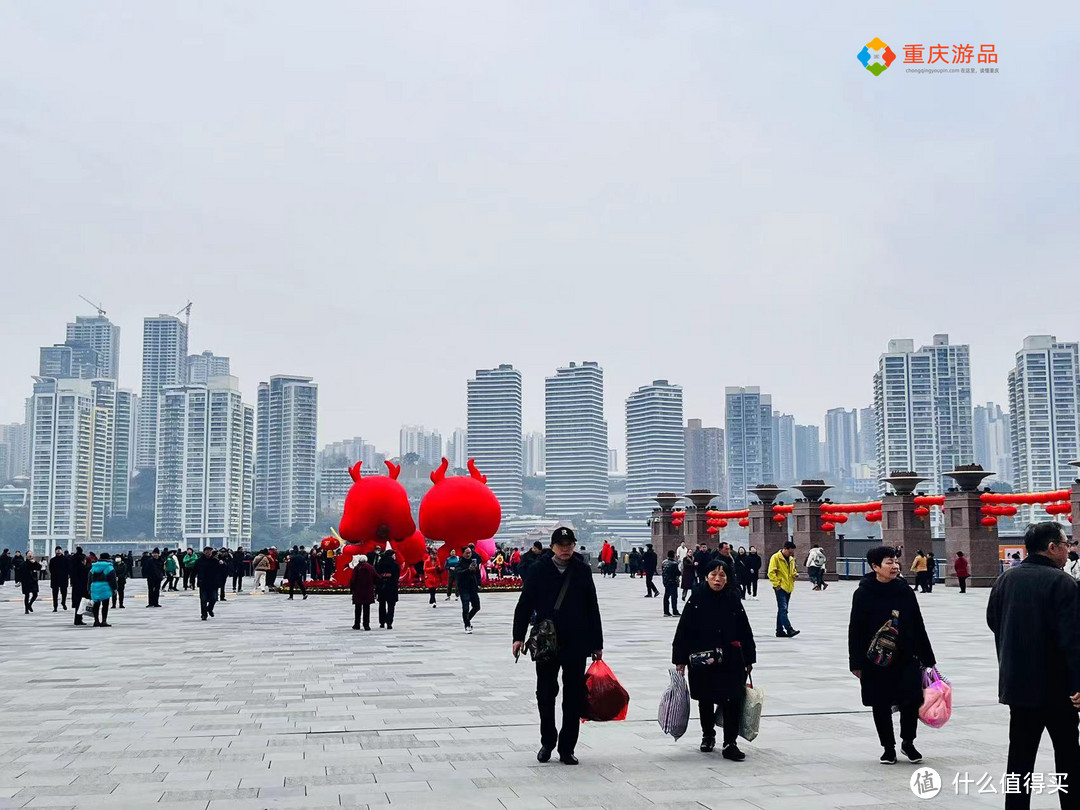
column 750, row 722
column 674, row 712
column 605, row 698
column 937, row 699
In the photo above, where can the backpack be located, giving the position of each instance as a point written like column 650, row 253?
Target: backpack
column 98, row 576
column 886, row 641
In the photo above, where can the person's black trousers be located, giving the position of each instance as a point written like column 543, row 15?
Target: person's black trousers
column 1025, row 731
column 362, row 616
column 752, row 587
column 449, row 584
column 650, row 587
column 101, row 611
column 207, row 599
column 153, row 592
column 431, row 595
column 293, row 583
column 470, row 606
column 75, row 602
column 28, row 601
column 909, row 724
column 573, row 689
column 963, row 584
column 731, row 712
column 59, row 593
column 386, row 613
column 118, row 593
column 671, row 600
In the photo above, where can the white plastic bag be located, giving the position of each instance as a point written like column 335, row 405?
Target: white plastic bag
column 751, row 714
column 674, row 712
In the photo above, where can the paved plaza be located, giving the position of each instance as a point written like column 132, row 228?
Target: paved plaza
column 278, row 703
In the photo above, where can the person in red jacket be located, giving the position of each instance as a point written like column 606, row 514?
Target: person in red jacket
column 432, row 576
column 960, row 565
column 362, row 587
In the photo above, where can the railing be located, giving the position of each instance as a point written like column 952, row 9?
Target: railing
column 858, row 567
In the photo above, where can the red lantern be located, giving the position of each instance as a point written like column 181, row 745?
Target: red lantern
column 712, row 530
column 840, row 518
column 989, row 521
column 722, row 523
column 778, row 518
column 921, row 512
column 677, row 523
column 828, row 527
column 744, row 522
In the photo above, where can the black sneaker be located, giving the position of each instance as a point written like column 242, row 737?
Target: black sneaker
column 888, row 757
column 792, row 632
column 707, row 744
column 731, row 751
column 910, row 751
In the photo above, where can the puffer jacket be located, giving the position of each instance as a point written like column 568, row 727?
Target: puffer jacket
column 102, row 581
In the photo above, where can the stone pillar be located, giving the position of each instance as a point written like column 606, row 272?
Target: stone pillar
column 964, row 530
column 664, row 535
column 806, row 527
column 768, row 536
column 695, row 525
column 899, row 525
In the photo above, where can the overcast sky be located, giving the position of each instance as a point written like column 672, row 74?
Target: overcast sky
column 388, row 196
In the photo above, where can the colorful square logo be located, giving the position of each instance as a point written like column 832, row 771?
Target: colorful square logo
column 876, row 56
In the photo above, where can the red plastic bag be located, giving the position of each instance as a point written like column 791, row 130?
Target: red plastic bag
column 605, row 698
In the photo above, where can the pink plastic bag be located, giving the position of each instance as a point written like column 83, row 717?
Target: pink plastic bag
column 605, row 697
column 937, row 699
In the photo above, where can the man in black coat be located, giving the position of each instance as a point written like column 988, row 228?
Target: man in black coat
column 579, row 633
column 701, row 560
column 467, row 578
column 889, row 676
column 753, row 567
column 59, row 571
column 295, row 570
column 529, row 559
column 79, row 579
column 209, row 573
column 1033, row 610
column 153, row 569
column 5, row 566
column 648, row 567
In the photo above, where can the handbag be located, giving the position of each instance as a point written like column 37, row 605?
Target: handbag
column 543, row 644
column 706, row 658
column 750, row 722
column 885, row 642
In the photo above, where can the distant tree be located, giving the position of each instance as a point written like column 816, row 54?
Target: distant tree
column 412, row 459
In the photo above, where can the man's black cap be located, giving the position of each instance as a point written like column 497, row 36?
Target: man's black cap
column 563, row 536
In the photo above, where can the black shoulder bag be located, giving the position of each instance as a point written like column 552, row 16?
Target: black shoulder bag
column 543, row 645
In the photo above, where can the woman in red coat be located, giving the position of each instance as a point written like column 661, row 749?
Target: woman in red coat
column 362, row 587
column 432, row 576
column 960, row 565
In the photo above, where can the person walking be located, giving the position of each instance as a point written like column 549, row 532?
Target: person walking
column 669, row 576
column 208, row 574
column 225, row 572
column 742, row 574
column 714, row 623
column 931, row 571
column 389, row 574
column 888, row 649
column 561, row 590
column 78, row 579
column 452, row 561
column 963, row 571
column 433, row 577
column 648, row 566
column 153, row 570
column 918, row 568
column 272, row 571
column 635, row 562
column 467, row 576
column 102, row 586
column 172, row 570
column 362, row 588
column 261, row 564
column 121, row 569
column 5, row 566
column 190, row 558
column 701, row 560
column 689, row 578
column 753, row 570
column 28, row 578
column 782, row 573
column 59, row 571
column 239, row 569
column 815, row 567
column 295, row 569
column 530, row 558
column 1032, row 611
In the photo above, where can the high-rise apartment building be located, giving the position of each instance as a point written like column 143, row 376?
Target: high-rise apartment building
column 64, row 362
column 164, row 362
column 13, row 439
column 205, row 471
column 749, row 438
column 807, row 452
column 426, row 444
column 285, row 493
column 868, row 436
column 575, row 441
column 992, row 442
column 201, row 367
column 532, row 453
column 704, row 457
column 457, row 449
column 102, row 336
column 841, row 444
column 123, row 451
column 952, row 404
column 655, row 445
column 494, row 432
column 784, row 447
column 1044, row 405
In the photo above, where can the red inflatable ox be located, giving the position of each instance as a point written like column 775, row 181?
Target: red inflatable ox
column 458, row 510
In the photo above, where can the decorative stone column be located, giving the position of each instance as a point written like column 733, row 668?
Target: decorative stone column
column 664, row 535
column 899, row 524
column 695, row 525
column 964, row 530
column 806, row 528
column 767, row 536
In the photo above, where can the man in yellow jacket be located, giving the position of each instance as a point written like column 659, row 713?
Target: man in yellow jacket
column 782, row 576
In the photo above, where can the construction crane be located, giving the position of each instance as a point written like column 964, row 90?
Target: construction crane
column 100, row 311
column 186, row 309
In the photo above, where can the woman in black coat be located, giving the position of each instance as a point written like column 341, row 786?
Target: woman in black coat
column 896, row 679
column 389, row 573
column 714, row 620
column 29, row 576
column 688, row 575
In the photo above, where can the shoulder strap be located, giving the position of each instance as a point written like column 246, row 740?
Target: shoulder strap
column 562, row 591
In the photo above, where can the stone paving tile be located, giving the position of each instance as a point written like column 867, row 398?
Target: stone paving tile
column 325, row 718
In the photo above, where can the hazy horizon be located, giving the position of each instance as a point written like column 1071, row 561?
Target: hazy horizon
column 388, row 198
